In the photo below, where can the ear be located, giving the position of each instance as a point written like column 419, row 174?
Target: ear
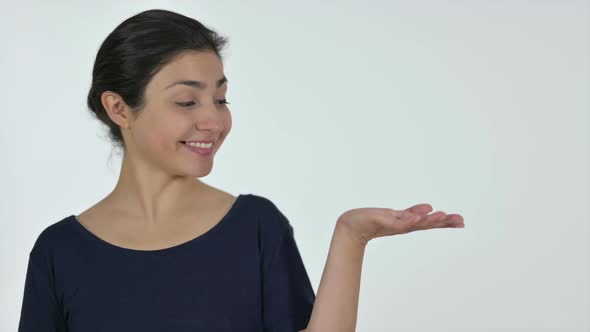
column 116, row 109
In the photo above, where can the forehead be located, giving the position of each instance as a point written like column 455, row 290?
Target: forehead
column 189, row 65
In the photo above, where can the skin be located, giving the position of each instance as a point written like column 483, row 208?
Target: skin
column 336, row 304
column 158, row 183
column 159, row 175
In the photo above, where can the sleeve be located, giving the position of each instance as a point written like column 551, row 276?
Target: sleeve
column 288, row 296
column 40, row 310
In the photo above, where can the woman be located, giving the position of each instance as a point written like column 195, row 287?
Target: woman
column 167, row 252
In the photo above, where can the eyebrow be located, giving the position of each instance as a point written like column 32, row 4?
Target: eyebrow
column 198, row 84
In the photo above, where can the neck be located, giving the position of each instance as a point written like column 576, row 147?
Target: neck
column 152, row 195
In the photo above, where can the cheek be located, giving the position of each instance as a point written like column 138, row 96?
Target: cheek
column 227, row 123
column 164, row 135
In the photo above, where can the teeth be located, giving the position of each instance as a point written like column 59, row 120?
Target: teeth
column 200, row 145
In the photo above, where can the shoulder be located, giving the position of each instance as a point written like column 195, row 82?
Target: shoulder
column 261, row 203
column 263, row 206
column 258, row 207
column 270, row 219
column 51, row 237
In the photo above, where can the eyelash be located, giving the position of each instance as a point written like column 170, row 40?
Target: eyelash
column 190, row 103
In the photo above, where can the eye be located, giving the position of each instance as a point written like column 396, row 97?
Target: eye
column 185, row 104
column 190, row 103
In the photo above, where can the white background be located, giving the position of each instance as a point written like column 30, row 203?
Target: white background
column 480, row 108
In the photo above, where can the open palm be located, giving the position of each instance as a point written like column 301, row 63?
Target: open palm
column 369, row 223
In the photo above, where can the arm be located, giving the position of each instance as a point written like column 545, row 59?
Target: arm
column 40, row 308
column 336, row 305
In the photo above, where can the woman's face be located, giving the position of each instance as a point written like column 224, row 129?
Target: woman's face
column 179, row 109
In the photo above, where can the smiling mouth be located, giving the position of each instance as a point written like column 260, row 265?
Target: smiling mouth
column 199, row 150
column 201, row 144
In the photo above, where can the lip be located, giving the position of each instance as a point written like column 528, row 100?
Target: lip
column 201, row 151
column 204, row 141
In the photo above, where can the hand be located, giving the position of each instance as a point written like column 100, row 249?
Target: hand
column 364, row 224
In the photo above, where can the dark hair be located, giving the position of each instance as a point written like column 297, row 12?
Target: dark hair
column 136, row 50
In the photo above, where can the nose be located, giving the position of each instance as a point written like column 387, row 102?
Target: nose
column 208, row 117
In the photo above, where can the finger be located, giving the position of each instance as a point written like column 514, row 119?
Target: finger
column 431, row 220
column 455, row 220
column 420, row 209
column 450, row 220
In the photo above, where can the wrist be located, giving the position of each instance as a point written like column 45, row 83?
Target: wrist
column 344, row 233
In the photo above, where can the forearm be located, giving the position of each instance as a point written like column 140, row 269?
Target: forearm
column 336, row 304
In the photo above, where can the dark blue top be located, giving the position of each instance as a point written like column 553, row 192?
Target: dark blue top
column 244, row 274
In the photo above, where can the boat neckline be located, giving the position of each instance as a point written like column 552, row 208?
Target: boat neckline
column 213, row 230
